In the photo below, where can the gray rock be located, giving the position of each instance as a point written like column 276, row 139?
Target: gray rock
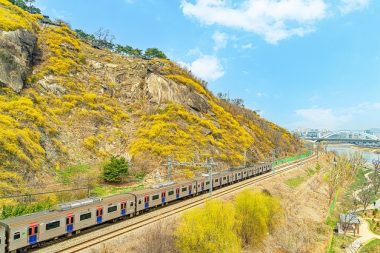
column 161, row 90
column 16, row 57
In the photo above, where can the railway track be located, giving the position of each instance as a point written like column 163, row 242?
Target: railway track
column 104, row 234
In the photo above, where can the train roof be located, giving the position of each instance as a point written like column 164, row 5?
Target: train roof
column 64, row 208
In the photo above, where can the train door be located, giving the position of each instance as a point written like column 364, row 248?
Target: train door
column 146, row 201
column 190, row 188
column 203, row 186
column 163, row 197
column 33, row 234
column 123, row 207
column 177, row 193
column 69, row 223
column 99, row 215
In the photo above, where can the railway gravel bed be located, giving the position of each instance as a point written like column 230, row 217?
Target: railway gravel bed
column 105, row 233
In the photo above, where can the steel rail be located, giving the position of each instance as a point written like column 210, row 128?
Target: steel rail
column 156, row 215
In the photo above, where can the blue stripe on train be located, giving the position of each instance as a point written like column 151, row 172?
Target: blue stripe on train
column 32, row 239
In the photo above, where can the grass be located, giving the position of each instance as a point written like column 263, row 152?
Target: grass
column 372, row 246
column 106, row 190
column 374, row 226
column 297, row 181
column 340, row 242
column 331, row 220
column 66, row 175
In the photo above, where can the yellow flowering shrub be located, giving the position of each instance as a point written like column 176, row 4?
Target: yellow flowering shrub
column 12, row 18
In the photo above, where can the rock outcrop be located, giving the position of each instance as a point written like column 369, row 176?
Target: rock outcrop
column 16, row 57
column 162, row 90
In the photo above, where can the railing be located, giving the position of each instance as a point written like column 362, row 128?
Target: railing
column 292, row 158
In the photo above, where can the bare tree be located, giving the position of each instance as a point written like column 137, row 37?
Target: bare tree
column 375, row 176
column 158, row 239
column 333, row 181
column 103, row 39
column 366, row 195
column 357, row 161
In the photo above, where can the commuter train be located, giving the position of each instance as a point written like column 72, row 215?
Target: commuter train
column 18, row 234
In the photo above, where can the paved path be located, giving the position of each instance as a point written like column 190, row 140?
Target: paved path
column 365, row 235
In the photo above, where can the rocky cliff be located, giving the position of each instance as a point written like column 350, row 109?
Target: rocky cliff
column 64, row 102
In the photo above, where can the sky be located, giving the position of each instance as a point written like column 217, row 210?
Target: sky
column 300, row 63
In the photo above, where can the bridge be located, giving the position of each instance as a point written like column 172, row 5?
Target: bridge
column 352, row 137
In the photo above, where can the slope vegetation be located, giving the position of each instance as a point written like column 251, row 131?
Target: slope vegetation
column 63, row 102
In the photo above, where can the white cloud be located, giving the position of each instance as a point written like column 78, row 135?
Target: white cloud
column 275, row 20
column 363, row 115
column 321, row 118
column 348, row 6
column 247, row 46
column 207, row 67
column 220, row 40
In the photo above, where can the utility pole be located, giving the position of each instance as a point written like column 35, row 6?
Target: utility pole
column 210, row 163
column 245, row 158
column 170, row 168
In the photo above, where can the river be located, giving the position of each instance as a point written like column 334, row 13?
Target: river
column 347, row 149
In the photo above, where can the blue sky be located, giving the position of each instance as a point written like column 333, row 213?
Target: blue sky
column 302, row 63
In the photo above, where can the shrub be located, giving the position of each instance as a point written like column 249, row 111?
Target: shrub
column 115, row 169
column 255, row 214
column 210, row 229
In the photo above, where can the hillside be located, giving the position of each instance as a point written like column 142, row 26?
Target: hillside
column 64, row 102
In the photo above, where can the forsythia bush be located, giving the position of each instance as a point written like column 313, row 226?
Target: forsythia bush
column 210, row 229
column 12, row 17
column 227, row 227
column 256, row 213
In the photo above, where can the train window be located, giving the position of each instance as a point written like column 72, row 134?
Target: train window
column 139, row 201
column 36, row 230
column 16, row 236
column 184, row 189
column 52, row 225
column 68, row 220
column 85, row 216
column 207, row 183
column 216, row 180
column 224, row 178
column 131, row 204
column 170, row 193
column 112, row 209
column 154, row 197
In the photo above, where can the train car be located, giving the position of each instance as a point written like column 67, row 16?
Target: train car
column 23, row 232
column 236, row 173
column 227, row 177
column 187, row 188
column 203, row 184
column 159, row 194
column 28, row 230
column 3, row 239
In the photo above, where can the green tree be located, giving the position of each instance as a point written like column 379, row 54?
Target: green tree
column 151, row 53
column 209, row 229
column 115, row 169
column 256, row 214
column 128, row 51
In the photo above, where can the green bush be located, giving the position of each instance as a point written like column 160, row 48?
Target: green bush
column 115, row 170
